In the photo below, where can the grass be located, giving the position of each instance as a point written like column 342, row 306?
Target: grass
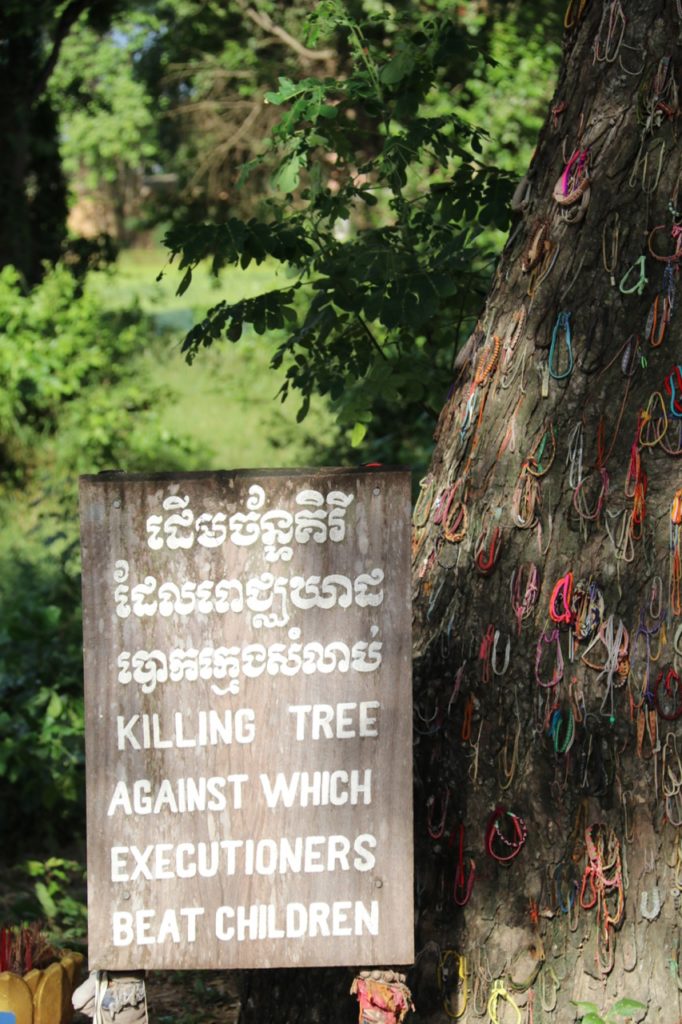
column 227, row 400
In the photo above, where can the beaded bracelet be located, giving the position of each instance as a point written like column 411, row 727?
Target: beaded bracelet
column 512, row 844
column 484, row 373
column 676, row 256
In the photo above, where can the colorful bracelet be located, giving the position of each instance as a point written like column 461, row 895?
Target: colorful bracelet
column 504, row 848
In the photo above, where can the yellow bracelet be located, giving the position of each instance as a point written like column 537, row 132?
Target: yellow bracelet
column 571, row 17
column 447, row 956
column 498, row 991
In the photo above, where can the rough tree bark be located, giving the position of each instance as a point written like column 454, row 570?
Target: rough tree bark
column 554, row 449
column 559, row 447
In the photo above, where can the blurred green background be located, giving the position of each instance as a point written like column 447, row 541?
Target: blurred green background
column 125, row 120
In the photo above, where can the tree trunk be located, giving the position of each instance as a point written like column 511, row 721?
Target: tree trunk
column 33, row 204
column 547, row 464
column 543, row 749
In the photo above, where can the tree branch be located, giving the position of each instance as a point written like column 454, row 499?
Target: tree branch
column 68, row 18
column 265, row 22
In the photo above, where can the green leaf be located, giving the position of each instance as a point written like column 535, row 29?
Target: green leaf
column 398, row 68
column 46, row 902
column 287, row 177
column 626, row 1007
column 358, row 434
column 586, row 1007
column 287, row 90
column 185, row 283
column 55, row 707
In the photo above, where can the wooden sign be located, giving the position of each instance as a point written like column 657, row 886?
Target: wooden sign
column 247, row 643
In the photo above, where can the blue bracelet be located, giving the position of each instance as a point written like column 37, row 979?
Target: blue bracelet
column 562, row 325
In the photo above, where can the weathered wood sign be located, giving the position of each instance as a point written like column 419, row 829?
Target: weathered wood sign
column 247, row 643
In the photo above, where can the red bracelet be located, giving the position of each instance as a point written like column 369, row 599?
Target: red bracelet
column 560, row 601
column 494, row 835
column 485, row 561
column 668, row 683
column 463, row 883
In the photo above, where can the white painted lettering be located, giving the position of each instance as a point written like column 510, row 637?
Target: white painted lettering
column 318, row 789
column 313, row 853
column 300, row 711
column 362, row 847
column 342, row 721
column 223, row 931
column 366, row 921
column 143, row 923
column 124, row 732
column 140, row 927
column 191, row 913
column 178, row 797
column 122, row 928
column 118, row 872
column 261, row 922
column 301, row 854
column 340, row 914
column 211, row 728
column 184, row 867
column 318, row 919
column 368, row 722
column 169, row 928
column 323, row 715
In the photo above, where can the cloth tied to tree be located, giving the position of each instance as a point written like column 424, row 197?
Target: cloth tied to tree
column 112, row 998
column 382, row 1000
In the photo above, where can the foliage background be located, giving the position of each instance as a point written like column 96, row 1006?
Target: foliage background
column 352, row 259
